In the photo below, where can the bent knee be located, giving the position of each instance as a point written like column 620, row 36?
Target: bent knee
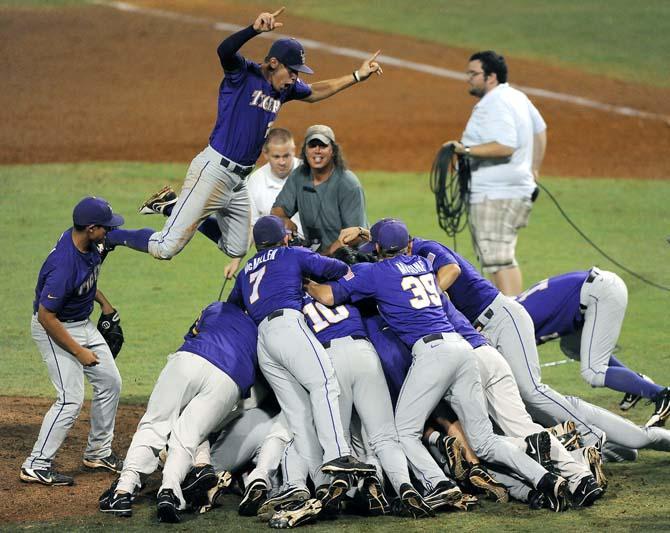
column 594, row 376
column 166, row 250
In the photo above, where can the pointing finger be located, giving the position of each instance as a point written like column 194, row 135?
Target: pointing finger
column 278, row 12
column 374, row 56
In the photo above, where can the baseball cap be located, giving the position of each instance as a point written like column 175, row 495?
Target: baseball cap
column 393, row 236
column 95, row 211
column 290, row 53
column 269, row 229
column 369, row 247
column 321, row 133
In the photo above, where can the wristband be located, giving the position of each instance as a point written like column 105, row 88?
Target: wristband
column 357, row 76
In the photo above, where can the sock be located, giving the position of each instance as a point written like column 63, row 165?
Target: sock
column 623, row 379
column 167, row 210
column 615, row 362
column 137, row 239
column 210, row 229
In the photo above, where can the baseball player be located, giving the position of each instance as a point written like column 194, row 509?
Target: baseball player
column 291, row 358
column 72, row 347
column 199, row 386
column 250, row 97
column 586, row 310
column 406, row 292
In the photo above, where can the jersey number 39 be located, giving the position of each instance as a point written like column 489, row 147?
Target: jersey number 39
column 424, row 290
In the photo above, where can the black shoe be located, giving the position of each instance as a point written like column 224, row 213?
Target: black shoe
column 375, row 500
column 536, row 500
column 45, row 477
column 295, row 513
column 444, row 492
column 555, row 490
column 111, row 463
column 413, row 502
column 452, row 449
column 279, row 501
column 586, row 493
column 629, row 400
column 117, row 504
column 347, row 464
column 538, row 448
column 168, row 507
column 254, row 497
column 662, row 410
column 196, row 484
column 480, row 477
column 332, row 495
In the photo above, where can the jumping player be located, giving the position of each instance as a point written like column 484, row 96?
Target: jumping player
column 250, row 97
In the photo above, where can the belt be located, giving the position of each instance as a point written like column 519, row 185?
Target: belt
column 353, row 337
column 432, row 337
column 275, row 314
column 592, row 275
column 236, row 168
column 488, row 314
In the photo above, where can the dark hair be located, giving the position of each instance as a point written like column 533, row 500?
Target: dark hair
column 492, row 63
column 260, row 247
column 277, row 136
column 348, row 255
column 393, row 252
column 338, row 158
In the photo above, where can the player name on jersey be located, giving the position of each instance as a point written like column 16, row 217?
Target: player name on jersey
column 265, row 102
column 412, row 268
column 257, row 261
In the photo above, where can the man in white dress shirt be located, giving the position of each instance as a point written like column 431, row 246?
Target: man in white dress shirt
column 265, row 183
column 505, row 140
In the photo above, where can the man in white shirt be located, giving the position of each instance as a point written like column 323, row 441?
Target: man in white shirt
column 505, row 140
column 266, row 183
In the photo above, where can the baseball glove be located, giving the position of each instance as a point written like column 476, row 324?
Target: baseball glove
column 109, row 326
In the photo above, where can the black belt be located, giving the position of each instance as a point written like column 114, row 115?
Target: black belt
column 275, row 314
column 432, row 337
column 592, row 275
column 488, row 314
column 238, row 169
column 355, row 337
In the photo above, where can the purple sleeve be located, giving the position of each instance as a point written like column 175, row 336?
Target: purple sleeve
column 318, row 266
column 356, row 285
column 298, row 91
column 235, row 296
column 227, row 50
column 436, row 254
column 57, row 286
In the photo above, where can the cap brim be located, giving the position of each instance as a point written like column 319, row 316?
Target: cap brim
column 301, row 68
column 367, row 248
column 318, row 137
column 117, row 220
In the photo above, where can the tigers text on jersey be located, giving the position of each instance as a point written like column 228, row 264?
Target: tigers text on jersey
column 67, row 281
column 273, row 279
column 335, row 322
column 471, row 293
column 406, row 292
column 248, row 105
column 226, row 337
column 553, row 304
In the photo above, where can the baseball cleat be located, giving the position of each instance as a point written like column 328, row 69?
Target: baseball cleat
column 157, row 203
column 168, row 507
column 452, row 449
column 45, row 477
column 629, row 400
column 445, row 491
column 587, row 492
column 295, row 514
column 567, row 435
column 538, row 448
column 347, row 464
column 111, row 463
column 333, row 495
column 595, row 460
column 254, row 496
column 467, row 503
column 481, row 478
column 114, row 503
column 373, row 493
column 274, row 504
column 662, row 410
column 555, row 490
column 196, row 484
column 536, row 500
column 414, row 503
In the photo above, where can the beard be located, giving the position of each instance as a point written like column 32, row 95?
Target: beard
column 477, row 91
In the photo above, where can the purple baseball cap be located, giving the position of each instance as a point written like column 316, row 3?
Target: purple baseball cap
column 269, row 229
column 393, row 236
column 95, row 211
column 290, row 53
column 369, row 247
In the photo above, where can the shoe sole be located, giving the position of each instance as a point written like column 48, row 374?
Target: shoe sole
column 102, row 466
column 455, row 459
column 558, row 501
column 331, row 469
column 377, row 501
column 168, row 513
column 497, row 491
column 596, row 466
column 625, row 406
column 223, row 481
column 330, row 503
column 589, row 499
column 252, row 502
column 125, row 513
column 203, row 483
column 291, row 519
column 29, row 479
column 450, row 496
column 273, row 505
column 416, row 507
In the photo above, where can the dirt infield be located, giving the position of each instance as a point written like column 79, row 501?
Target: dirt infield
column 93, row 83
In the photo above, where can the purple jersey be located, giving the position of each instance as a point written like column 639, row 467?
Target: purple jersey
column 462, row 325
column 226, row 337
column 330, row 323
column 273, row 279
column 67, row 281
column 553, row 304
column 248, row 105
column 471, row 293
column 406, row 292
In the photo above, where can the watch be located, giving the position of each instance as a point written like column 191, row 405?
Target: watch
column 467, row 150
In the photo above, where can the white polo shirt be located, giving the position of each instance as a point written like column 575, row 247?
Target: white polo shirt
column 504, row 115
column 264, row 187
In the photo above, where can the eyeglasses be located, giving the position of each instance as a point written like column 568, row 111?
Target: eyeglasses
column 473, row 74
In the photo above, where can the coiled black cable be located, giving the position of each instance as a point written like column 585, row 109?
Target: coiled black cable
column 450, row 182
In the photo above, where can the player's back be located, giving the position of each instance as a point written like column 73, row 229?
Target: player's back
column 335, row 322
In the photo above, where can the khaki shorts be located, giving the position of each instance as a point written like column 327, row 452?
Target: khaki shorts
column 494, row 225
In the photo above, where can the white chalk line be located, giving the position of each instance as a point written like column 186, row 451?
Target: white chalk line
column 384, row 59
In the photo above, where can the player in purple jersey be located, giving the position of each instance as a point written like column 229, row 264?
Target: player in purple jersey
column 250, row 97
column 292, row 360
column 200, row 385
column 586, row 310
column 72, row 347
column 362, row 386
column 407, row 296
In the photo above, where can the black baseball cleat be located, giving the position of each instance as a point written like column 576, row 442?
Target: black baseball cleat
column 480, row 477
column 111, row 463
column 555, row 490
column 347, row 464
column 168, row 507
column 196, row 484
column 114, row 503
column 445, row 491
column 630, row 400
column 157, row 202
column 373, row 494
column 662, row 410
column 45, row 477
column 538, row 448
column 254, row 496
column 413, row 502
column 295, row 513
column 536, row 500
column 333, row 495
column 587, row 492
column 452, row 449
column 279, row 501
